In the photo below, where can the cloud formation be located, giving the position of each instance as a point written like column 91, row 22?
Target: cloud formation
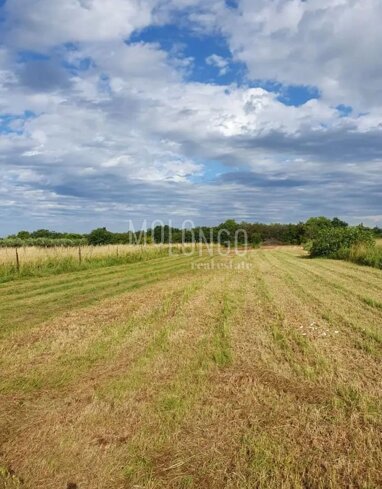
column 97, row 128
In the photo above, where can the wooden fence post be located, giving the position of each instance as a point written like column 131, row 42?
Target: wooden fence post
column 17, row 260
column 79, row 255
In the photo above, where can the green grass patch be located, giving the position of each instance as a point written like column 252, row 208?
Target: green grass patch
column 222, row 354
column 8, row 480
column 351, row 399
column 372, row 302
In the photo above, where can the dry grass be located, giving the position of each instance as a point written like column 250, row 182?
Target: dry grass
column 32, row 254
column 164, row 376
column 365, row 255
column 38, row 262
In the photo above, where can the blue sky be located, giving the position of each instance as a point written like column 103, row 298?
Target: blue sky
column 184, row 109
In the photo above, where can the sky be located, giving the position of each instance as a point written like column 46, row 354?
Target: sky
column 114, row 111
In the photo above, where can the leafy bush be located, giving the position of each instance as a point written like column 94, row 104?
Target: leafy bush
column 336, row 242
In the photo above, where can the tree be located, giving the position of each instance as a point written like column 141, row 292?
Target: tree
column 42, row 233
column 161, row 234
column 23, row 235
column 337, row 223
column 226, row 232
column 100, row 236
column 256, row 239
column 315, row 225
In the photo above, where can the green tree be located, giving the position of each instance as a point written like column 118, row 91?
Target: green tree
column 100, row 236
column 315, row 225
column 23, row 234
column 226, row 232
column 337, row 223
column 42, row 233
column 256, row 239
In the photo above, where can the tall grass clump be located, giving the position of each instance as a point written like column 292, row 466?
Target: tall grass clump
column 365, row 255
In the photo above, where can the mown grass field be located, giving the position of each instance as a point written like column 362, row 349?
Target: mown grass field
column 158, row 374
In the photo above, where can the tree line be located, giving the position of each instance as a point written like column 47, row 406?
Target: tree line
column 225, row 233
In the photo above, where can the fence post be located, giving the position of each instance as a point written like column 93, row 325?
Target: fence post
column 79, row 255
column 17, row 260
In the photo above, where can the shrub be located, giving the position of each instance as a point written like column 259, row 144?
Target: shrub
column 336, row 242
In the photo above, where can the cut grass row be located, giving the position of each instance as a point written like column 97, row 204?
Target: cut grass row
column 60, row 368
column 104, row 276
column 265, row 425
column 345, row 311
column 145, row 369
column 200, row 380
column 40, row 283
column 345, row 295
column 37, row 304
column 361, row 290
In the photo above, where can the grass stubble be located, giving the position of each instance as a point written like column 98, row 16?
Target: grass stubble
column 267, row 377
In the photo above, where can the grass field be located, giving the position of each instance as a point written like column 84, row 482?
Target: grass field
column 38, row 262
column 184, row 372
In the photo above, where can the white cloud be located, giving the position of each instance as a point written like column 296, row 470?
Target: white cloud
column 332, row 44
column 131, row 135
column 219, row 62
column 47, row 23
